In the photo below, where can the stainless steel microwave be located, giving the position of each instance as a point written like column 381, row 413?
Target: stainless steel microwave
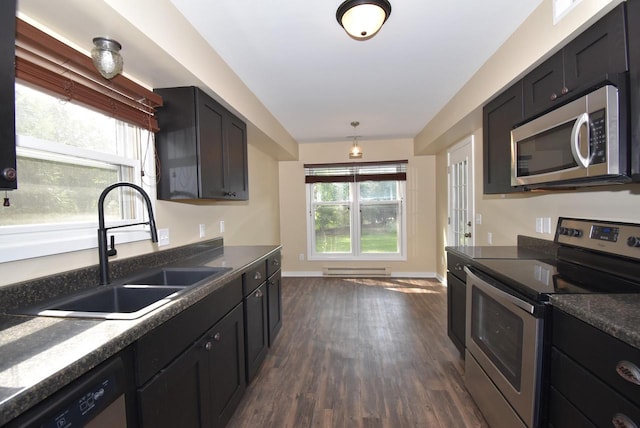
column 579, row 143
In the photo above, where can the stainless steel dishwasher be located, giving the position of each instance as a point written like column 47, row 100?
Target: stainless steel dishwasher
column 98, row 399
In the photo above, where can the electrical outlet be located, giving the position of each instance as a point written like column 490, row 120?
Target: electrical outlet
column 201, row 229
column 221, row 226
column 489, row 238
column 539, row 224
column 163, row 237
column 546, row 225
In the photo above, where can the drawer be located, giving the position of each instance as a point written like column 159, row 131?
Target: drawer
column 456, row 264
column 592, row 397
column 273, row 263
column 253, row 277
column 597, row 351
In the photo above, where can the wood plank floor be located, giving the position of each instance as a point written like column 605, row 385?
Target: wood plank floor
column 360, row 353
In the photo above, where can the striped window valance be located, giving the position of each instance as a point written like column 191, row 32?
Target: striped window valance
column 356, row 171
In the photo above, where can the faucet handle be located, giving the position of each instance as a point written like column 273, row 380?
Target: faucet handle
column 112, row 251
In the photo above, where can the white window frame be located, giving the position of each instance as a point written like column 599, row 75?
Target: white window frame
column 36, row 240
column 354, row 208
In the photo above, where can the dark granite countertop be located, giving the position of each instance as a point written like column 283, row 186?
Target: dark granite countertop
column 39, row 355
column 615, row 314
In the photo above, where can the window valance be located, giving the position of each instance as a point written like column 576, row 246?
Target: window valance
column 53, row 66
column 356, row 171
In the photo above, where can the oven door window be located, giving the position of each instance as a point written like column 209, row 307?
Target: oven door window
column 499, row 333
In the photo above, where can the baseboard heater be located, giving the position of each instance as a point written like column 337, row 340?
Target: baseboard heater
column 355, row 271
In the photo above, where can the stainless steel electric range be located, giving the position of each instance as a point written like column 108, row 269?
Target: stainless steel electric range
column 508, row 312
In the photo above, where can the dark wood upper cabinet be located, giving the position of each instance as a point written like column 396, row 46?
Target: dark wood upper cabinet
column 633, row 28
column 8, row 179
column 597, row 55
column 499, row 118
column 202, row 148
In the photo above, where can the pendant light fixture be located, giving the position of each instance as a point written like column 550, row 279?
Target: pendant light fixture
column 356, row 150
column 106, row 57
column 362, row 19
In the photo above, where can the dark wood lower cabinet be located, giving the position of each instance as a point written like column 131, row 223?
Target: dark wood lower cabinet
column 256, row 334
column 203, row 386
column 456, row 307
column 274, row 299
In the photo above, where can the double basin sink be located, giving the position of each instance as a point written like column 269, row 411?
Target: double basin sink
column 129, row 299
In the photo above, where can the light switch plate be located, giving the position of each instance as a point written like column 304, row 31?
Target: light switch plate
column 201, row 230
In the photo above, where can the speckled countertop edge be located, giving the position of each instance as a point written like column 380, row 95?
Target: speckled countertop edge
column 40, row 355
column 615, row 314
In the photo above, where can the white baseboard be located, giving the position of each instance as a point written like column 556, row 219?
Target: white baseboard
column 312, row 274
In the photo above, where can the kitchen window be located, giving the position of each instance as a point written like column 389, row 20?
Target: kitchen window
column 77, row 133
column 356, row 211
column 66, row 155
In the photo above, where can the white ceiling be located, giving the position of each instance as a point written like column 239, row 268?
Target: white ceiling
column 306, row 70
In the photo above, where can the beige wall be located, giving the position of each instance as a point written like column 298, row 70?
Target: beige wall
column 254, row 222
column 421, row 202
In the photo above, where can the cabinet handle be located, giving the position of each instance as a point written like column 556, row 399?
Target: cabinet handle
column 276, row 262
column 553, row 97
column 259, row 294
column 207, row 346
column 217, row 337
column 257, row 275
column 230, row 194
column 621, row 420
column 628, row 371
column 565, row 90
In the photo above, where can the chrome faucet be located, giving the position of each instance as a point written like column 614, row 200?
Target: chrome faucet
column 103, row 253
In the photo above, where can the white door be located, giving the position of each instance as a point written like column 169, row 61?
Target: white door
column 460, row 178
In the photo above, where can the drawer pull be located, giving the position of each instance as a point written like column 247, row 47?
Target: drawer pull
column 217, row 337
column 628, row 371
column 257, row 275
column 259, row 294
column 620, row 420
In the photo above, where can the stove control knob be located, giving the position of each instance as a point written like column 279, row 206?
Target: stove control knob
column 575, row 232
column 562, row 230
column 633, row 241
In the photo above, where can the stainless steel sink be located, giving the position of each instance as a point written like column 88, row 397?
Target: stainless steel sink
column 130, row 299
column 177, row 276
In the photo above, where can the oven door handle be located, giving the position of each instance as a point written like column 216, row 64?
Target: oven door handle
column 497, row 293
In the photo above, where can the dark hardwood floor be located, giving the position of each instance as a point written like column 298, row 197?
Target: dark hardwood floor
column 360, row 353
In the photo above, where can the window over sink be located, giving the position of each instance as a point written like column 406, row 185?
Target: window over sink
column 67, row 154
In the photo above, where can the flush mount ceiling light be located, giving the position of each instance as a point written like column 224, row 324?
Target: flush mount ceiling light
column 106, row 57
column 356, row 151
column 362, row 19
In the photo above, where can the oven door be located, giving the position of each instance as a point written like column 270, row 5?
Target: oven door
column 504, row 337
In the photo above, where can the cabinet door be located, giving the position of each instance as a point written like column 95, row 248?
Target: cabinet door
column 210, row 117
column 543, row 87
column 599, row 51
column 256, row 334
column 499, row 117
column 7, row 95
column 236, row 180
column 633, row 28
column 225, row 351
column 274, row 298
column 456, row 310
column 178, row 395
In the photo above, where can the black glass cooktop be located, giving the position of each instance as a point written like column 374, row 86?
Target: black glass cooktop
column 534, row 279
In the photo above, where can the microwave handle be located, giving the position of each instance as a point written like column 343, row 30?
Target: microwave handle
column 582, row 120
